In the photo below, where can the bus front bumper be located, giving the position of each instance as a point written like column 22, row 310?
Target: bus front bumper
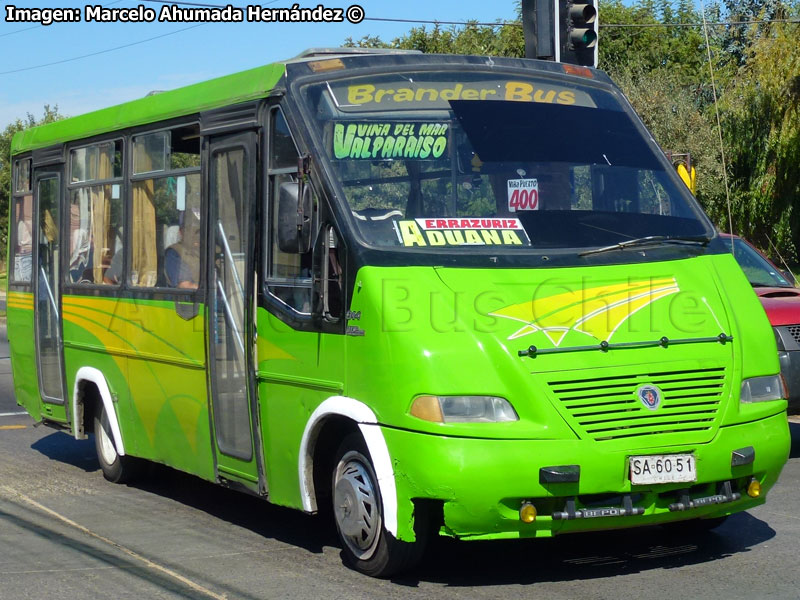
column 482, row 483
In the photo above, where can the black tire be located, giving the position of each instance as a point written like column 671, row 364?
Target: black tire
column 116, row 468
column 358, row 513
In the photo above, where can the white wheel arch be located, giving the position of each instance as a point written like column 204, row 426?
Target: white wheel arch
column 376, row 444
column 96, row 377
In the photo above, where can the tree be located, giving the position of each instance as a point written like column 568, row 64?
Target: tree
column 649, row 43
column 736, row 40
column 49, row 115
column 505, row 39
column 762, row 128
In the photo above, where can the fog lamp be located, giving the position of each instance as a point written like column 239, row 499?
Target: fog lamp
column 754, row 489
column 527, row 512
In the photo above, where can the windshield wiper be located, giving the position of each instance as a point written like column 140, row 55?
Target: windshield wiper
column 651, row 240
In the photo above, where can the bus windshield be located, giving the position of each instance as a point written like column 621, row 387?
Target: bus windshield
column 438, row 160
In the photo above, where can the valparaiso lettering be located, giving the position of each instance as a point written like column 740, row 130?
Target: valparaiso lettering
column 387, row 141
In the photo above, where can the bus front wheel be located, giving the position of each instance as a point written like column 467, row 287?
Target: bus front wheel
column 358, row 512
column 116, row 468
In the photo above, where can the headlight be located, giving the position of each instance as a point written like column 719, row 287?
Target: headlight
column 463, row 409
column 762, row 389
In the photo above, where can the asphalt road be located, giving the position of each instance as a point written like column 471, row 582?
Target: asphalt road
column 66, row 533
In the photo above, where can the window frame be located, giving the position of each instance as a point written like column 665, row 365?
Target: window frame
column 363, row 253
column 19, row 195
column 97, row 142
column 66, row 282
column 287, row 312
column 325, row 217
column 131, row 178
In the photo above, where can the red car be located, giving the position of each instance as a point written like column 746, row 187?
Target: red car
column 781, row 301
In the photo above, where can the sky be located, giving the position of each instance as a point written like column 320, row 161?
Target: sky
column 186, row 52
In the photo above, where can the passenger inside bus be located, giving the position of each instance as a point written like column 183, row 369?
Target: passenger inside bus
column 182, row 259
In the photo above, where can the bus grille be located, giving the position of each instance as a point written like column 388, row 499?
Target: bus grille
column 607, row 408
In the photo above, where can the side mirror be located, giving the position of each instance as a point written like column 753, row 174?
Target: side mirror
column 294, row 218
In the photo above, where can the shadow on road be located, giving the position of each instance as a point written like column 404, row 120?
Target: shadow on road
column 454, row 563
column 794, row 430
column 449, row 562
column 62, row 447
column 584, row 556
column 284, row 524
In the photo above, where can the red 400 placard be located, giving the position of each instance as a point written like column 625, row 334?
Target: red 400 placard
column 523, row 194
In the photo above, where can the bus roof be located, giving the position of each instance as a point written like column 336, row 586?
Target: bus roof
column 214, row 93
column 234, row 89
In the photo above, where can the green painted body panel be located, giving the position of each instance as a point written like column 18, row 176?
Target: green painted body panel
column 412, row 328
column 21, row 338
column 458, row 331
column 154, row 362
column 484, row 482
column 296, row 372
column 21, row 329
column 215, row 93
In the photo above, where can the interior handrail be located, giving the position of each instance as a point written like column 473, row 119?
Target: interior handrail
column 229, row 314
column 229, row 258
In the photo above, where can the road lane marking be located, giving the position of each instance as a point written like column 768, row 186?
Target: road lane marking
column 133, row 568
column 12, row 427
column 13, row 414
column 135, row 555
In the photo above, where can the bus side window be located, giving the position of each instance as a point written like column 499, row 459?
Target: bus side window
column 95, row 214
column 289, row 275
column 22, row 223
column 166, row 227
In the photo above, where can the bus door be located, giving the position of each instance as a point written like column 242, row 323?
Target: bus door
column 232, row 198
column 47, row 289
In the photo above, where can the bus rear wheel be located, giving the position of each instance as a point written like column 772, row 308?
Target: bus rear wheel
column 358, row 512
column 116, row 468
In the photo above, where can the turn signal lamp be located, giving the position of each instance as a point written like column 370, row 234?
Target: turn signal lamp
column 463, row 409
column 527, row 512
column 427, row 408
column 576, row 70
column 754, row 489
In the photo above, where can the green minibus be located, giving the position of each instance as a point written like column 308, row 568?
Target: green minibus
column 424, row 295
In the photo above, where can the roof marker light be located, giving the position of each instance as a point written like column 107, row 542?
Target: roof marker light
column 576, row 70
column 323, row 66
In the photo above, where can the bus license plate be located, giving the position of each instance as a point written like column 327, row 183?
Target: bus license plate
column 663, row 468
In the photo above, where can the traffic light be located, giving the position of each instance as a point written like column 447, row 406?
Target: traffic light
column 537, row 27
column 576, row 32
